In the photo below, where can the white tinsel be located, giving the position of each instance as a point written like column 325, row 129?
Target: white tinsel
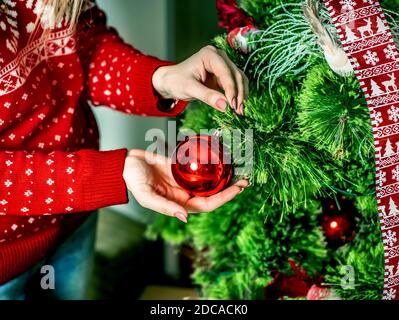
column 290, row 42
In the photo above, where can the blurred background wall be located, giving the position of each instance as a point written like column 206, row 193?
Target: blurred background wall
column 168, row 29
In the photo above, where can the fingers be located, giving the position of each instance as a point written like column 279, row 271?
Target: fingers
column 149, row 199
column 232, row 80
column 202, row 204
column 241, row 93
column 211, row 97
column 216, row 64
column 246, row 90
column 246, row 85
column 242, row 83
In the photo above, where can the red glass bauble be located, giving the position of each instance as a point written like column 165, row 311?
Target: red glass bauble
column 336, row 227
column 339, row 221
column 201, row 165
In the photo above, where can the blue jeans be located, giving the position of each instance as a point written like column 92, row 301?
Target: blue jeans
column 73, row 266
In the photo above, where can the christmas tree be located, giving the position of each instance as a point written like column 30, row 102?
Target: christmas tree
column 388, row 149
column 393, row 210
column 309, row 225
column 350, row 35
column 376, row 89
column 381, row 26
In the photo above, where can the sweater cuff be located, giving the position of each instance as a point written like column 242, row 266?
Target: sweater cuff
column 151, row 100
column 103, row 183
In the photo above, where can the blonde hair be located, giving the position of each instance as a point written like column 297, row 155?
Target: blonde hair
column 67, row 8
column 57, row 12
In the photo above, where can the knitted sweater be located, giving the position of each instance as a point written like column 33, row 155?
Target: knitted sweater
column 51, row 171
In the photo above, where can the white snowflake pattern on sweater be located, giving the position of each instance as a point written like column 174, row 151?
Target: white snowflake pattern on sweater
column 54, row 167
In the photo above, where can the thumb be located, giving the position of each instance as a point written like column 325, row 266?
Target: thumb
column 211, row 97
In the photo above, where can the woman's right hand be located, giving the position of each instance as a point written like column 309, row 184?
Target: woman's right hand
column 149, row 178
column 209, row 76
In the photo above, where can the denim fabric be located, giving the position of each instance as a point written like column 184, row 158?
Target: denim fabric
column 72, row 263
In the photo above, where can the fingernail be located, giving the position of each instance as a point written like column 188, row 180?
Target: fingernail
column 181, row 217
column 221, row 104
column 242, row 189
column 234, row 103
column 242, row 107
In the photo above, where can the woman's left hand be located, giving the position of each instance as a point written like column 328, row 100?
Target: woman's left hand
column 149, row 177
column 209, row 76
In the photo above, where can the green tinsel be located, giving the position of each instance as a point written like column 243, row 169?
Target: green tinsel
column 312, row 140
column 283, row 164
column 368, row 277
column 234, row 243
column 343, row 126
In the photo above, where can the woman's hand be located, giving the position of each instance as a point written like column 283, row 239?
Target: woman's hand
column 201, row 77
column 148, row 176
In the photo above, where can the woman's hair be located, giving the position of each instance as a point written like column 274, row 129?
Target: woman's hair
column 57, row 12
column 66, row 8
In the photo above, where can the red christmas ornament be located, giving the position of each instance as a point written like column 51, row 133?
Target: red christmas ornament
column 240, row 38
column 338, row 221
column 336, row 227
column 199, row 165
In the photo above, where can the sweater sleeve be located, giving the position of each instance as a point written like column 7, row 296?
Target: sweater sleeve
column 118, row 75
column 36, row 183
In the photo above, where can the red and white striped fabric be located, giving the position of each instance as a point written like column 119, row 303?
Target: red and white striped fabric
column 369, row 43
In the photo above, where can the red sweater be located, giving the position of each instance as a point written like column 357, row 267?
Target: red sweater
column 50, row 167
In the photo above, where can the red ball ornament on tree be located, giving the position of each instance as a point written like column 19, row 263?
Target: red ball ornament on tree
column 336, row 227
column 242, row 38
column 201, row 165
column 338, row 221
